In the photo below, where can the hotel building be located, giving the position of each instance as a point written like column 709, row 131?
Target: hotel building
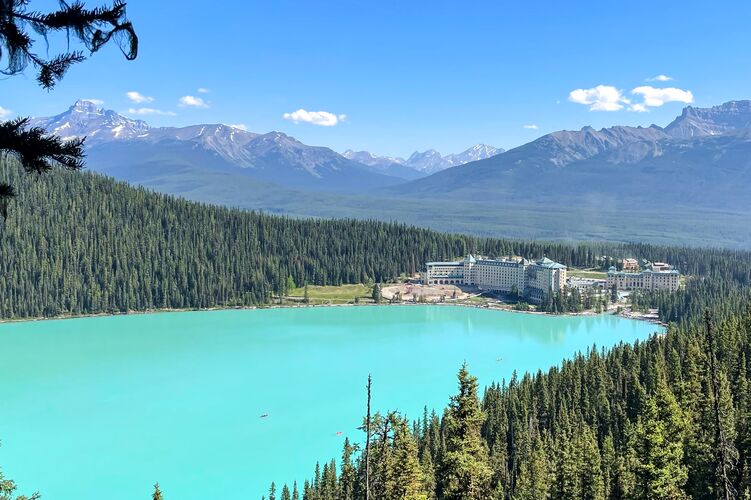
column 660, row 277
column 531, row 279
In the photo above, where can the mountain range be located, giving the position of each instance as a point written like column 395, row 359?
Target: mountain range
column 652, row 183
column 132, row 150
column 703, row 157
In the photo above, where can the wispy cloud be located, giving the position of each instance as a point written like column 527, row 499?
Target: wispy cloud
column 240, row 126
column 189, row 101
column 150, row 111
column 531, row 126
column 322, row 118
column 654, row 97
column 203, row 90
column 660, row 78
column 599, row 98
column 4, row 112
column 138, row 97
column 98, row 102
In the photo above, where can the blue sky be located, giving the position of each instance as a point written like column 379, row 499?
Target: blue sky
column 412, row 75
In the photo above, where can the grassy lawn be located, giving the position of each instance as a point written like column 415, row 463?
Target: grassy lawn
column 334, row 294
column 475, row 300
column 587, row 273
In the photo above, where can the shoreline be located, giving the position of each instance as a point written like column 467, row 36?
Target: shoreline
column 624, row 314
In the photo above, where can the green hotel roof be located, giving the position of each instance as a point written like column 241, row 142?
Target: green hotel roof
column 547, row 263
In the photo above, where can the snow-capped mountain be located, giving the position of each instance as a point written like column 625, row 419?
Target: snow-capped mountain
column 85, row 119
column 367, row 158
column 475, row 153
column 426, row 162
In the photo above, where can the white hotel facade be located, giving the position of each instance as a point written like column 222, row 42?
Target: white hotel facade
column 657, row 278
column 532, row 279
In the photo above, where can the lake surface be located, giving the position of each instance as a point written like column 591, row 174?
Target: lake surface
column 104, row 407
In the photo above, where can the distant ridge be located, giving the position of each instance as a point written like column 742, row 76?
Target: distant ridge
column 427, row 162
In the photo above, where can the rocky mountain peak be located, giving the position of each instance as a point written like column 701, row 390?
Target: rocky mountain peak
column 716, row 120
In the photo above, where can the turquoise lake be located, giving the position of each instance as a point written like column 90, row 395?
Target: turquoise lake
column 104, row 407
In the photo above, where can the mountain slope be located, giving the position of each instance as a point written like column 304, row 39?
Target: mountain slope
column 702, row 159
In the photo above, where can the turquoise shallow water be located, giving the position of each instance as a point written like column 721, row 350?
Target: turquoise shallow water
column 104, row 407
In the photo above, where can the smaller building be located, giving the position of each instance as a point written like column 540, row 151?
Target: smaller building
column 584, row 284
column 645, row 280
column 661, row 266
column 630, row 265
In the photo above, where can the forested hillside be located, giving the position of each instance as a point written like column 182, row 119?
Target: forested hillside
column 82, row 243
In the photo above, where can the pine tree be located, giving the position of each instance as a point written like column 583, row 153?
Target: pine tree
column 348, row 475
column 535, row 475
column 466, row 472
column 593, row 484
column 272, row 491
column 660, row 471
column 407, row 475
column 157, row 493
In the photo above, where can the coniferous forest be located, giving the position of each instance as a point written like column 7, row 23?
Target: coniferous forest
column 83, row 244
column 666, row 418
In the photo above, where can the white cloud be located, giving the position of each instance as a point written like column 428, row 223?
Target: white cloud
column 609, row 98
column 150, row 111
column 599, row 98
column 203, row 90
column 654, row 97
column 5, row 113
column 531, row 127
column 322, row 118
column 138, row 97
column 189, row 101
column 660, row 78
column 98, row 102
column 240, row 126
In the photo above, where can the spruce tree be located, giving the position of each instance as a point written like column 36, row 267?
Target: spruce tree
column 535, row 474
column 466, row 472
column 407, row 475
column 157, row 493
column 660, row 471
